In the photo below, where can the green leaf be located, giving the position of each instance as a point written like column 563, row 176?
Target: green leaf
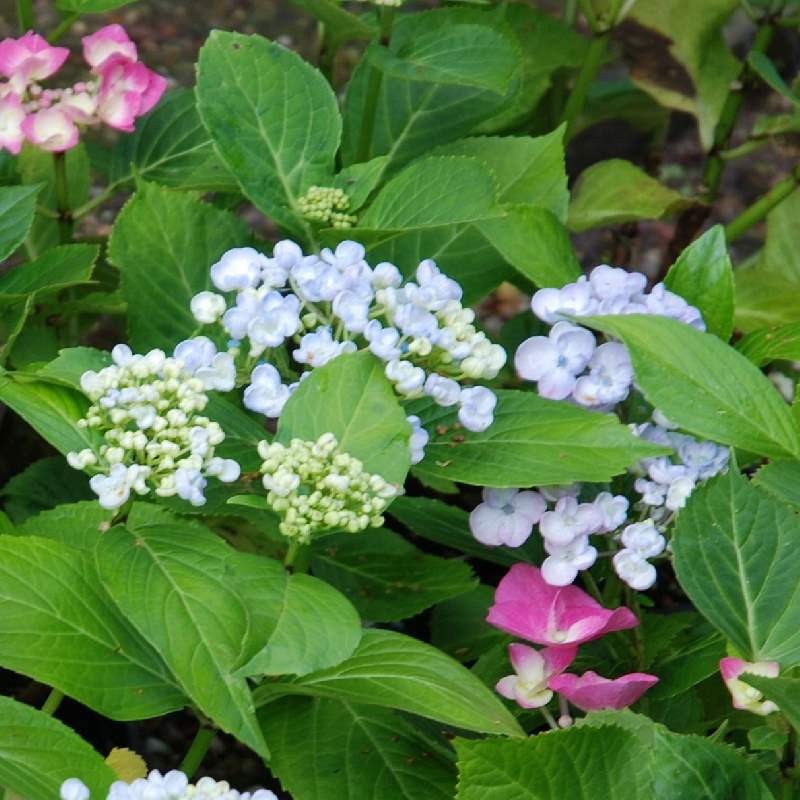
column 535, row 243
column 58, row 268
column 458, row 626
column 449, row 526
column 72, row 362
column 317, row 628
column 164, row 244
column 703, row 385
column 393, row 670
column 386, row 577
column 528, row 170
column 573, row 763
column 58, row 626
column 44, row 484
column 703, row 276
column 439, row 79
column 80, row 525
column 615, row 191
column 780, row 343
column 784, row 692
column 679, row 56
column 352, row 752
column 761, row 64
column 38, row 753
column 171, row 147
column 743, row 578
column 17, row 209
column 358, row 181
column 90, row 6
column 351, row 398
column 782, row 480
column 243, row 432
column 532, row 442
column 273, row 118
column 52, row 411
column 172, row 580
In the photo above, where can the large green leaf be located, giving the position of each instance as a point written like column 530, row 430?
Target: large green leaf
column 172, row 147
column 317, row 628
column 615, row 191
column 164, row 243
column 532, row 442
column 173, row 581
column 79, row 525
column 781, row 343
column 703, row 385
column 273, row 118
column 390, row 669
column 703, row 276
column 733, row 548
column 438, row 80
column 53, row 411
column 352, row 752
column 386, row 577
column 38, row 753
column 574, row 763
column 449, row 526
column 57, row 625
column 58, row 268
column 782, row 480
column 676, row 52
column 351, row 398
column 17, row 209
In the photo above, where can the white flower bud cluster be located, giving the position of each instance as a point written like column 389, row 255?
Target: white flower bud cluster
column 641, row 541
column 147, row 408
column 326, row 206
column 314, row 486
column 507, row 517
column 173, row 785
column 333, row 302
column 666, row 483
column 568, row 363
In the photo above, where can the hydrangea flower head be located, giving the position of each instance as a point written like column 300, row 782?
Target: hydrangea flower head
column 526, row 605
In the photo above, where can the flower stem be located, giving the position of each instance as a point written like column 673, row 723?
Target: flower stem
column 62, row 28
column 755, row 213
column 374, row 88
column 52, row 702
column 197, row 750
column 548, row 718
column 65, row 219
column 25, row 15
column 715, row 164
column 588, row 72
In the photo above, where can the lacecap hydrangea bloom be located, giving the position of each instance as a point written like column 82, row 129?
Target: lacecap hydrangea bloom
column 173, row 785
column 118, row 90
column 334, row 302
column 568, row 363
column 147, row 409
column 315, row 487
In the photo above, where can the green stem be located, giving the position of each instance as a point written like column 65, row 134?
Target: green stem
column 715, row 164
column 548, row 718
column 756, row 212
column 62, row 28
column 91, row 205
column 591, row 585
column 638, row 637
column 197, row 750
column 588, row 72
column 53, row 702
column 374, row 88
column 570, row 11
column 25, row 15
column 65, row 219
column 291, row 554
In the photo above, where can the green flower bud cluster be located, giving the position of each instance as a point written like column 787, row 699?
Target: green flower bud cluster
column 316, row 487
column 327, row 206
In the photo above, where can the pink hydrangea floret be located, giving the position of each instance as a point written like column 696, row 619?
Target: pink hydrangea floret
column 592, row 692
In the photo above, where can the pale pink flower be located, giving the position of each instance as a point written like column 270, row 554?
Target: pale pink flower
column 746, row 697
column 112, row 40
column 528, row 688
column 29, row 58
column 128, row 90
column 51, row 129
column 506, row 517
column 592, row 692
column 526, row 605
column 80, row 106
column 12, row 115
